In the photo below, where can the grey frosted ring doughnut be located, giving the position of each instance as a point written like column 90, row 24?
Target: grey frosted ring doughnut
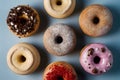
column 59, row 39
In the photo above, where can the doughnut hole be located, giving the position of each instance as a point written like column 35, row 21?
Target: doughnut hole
column 58, row 39
column 23, row 20
column 96, row 20
column 96, row 59
column 21, row 59
column 60, row 78
column 58, row 2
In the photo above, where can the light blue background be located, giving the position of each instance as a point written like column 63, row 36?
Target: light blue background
column 7, row 40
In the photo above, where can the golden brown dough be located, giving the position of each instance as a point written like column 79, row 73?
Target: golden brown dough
column 95, row 20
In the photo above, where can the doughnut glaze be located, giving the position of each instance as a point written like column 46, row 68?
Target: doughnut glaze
column 23, row 58
column 59, row 8
column 23, row 21
column 96, row 20
column 96, row 58
column 59, row 39
column 59, row 71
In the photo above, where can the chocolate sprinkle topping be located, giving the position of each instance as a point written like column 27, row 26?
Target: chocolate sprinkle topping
column 21, row 20
column 101, row 71
column 90, row 51
column 95, row 70
column 103, row 49
column 89, row 67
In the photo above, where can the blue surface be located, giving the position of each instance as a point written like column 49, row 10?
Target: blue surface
column 7, row 40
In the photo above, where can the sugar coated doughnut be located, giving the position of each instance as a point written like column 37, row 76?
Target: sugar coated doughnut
column 59, row 71
column 59, row 39
column 96, row 20
column 59, row 8
column 96, row 58
column 23, row 58
column 23, row 21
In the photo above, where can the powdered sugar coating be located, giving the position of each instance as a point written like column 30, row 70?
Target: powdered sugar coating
column 102, row 53
column 68, row 39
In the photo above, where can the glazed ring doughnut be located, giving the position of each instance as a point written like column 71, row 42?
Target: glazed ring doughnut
column 59, row 71
column 59, row 8
column 23, row 21
column 59, row 39
column 96, row 58
column 96, row 20
column 23, row 58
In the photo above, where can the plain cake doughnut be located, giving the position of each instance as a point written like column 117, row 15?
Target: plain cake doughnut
column 96, row 58
column 96, row 20
column 59, row 8
column 59, row 39
column 59, row 70
column 23, row 58
column 23, row 21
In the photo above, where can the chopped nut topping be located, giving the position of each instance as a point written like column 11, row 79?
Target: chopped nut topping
column 90, row 51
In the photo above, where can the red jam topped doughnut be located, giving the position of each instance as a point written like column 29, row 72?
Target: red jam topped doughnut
column 22, row 20
column 96, row 58
column 57, row 73
column 60, row 72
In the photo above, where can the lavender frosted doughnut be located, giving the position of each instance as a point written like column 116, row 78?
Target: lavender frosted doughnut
column 59, row 39
column 96, row 58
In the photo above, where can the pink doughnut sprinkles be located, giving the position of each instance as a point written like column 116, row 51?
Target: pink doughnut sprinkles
column 96, row 58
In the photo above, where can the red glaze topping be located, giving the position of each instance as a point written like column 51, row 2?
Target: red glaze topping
column 59, row 72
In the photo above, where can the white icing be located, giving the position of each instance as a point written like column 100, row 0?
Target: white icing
column 64, row 10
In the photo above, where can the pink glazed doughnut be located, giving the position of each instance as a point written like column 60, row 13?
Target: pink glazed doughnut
column 96, row 58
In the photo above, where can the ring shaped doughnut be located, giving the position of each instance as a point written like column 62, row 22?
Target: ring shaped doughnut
column 96, row 20
column 59, row 8
column 96, row 58
column 59, row 71
column 59, row 39
column 23, row 21
column 23, row 58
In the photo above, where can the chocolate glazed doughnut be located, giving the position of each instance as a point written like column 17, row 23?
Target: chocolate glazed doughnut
column 23, row 21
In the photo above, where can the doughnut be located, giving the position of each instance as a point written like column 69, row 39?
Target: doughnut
column 59, row 39
column 59, row 70
column 96, row 20
column 23, row 58
column 23, row 21
column 96, row 58
column 59, row 8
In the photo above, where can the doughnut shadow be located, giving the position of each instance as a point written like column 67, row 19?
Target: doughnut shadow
column 116, row 58
column 44, row 59
column 116, row 20
column 79, row 7
column 80, row 39
column 44, row 21
column 80, row 72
